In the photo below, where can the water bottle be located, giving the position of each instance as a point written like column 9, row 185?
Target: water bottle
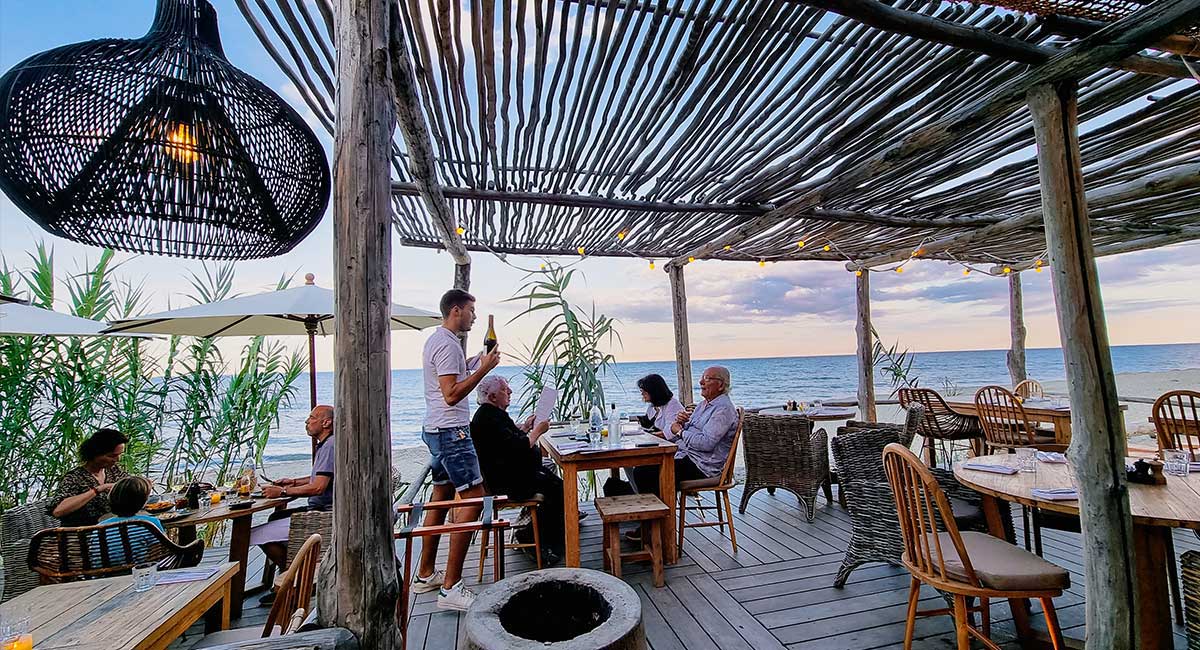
column 595, row 425
column 614, row 427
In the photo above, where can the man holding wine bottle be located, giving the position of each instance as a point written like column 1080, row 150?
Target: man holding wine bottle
column 449, row 379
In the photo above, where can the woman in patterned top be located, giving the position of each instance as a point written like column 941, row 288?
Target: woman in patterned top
column 82, row 496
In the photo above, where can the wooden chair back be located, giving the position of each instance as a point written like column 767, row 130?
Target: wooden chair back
column 294, row 589
column 937, row 414
column 1005, row 423
column 923, row 511
column 731, row 459
column 67, row 554
column 1177, row 421
column 1029, row 388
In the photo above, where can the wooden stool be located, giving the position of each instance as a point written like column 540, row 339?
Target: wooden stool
column 533, row 503
column 644, row 508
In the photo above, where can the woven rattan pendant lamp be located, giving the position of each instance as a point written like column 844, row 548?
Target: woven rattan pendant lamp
column 159, row 145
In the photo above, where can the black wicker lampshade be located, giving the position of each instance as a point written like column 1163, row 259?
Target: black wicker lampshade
column 159, row 145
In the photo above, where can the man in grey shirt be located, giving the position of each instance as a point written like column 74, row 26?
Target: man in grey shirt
column 448, row 381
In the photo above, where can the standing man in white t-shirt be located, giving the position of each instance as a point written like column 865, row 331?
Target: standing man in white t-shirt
column 449, row 380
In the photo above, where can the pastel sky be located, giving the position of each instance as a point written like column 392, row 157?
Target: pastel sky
column 735, row 309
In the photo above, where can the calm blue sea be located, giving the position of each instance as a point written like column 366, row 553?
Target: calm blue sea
column 757, row 382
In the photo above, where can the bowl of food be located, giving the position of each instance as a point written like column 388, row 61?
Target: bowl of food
column 159, row 506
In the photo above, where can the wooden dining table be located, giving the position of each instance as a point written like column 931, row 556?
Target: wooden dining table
column 239, row 535
column 574, row 461
column 107, row 614
column 1155, row 510
column 1055, row 412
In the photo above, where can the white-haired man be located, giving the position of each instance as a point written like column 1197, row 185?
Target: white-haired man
column 704, row 436
column 511, row 461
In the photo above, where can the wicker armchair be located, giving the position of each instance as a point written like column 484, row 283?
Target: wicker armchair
column 875, row 533
column 17, row 527
column 783, row 451
column 941, row 423
column 67, row 554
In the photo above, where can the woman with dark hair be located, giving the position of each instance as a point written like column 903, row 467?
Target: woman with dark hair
column 663, row 405
column 82, row 496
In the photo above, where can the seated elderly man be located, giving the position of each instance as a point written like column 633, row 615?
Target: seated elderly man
column 704, row 436
column 511, row 462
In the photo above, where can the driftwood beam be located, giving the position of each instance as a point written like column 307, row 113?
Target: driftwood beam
column 421, row 163
column 1016, row 328
column 1098, row 450
column 975, row 39
column 358, row 579
column 1116, row 41
column 866, row 347
column 1186, row 177
column 683, row 351
column 1081, row 27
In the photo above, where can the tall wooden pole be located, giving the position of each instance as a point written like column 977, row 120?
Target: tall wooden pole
column 1016, row 326
column 1097, row 450
column 359, row 591
column 683, row 352
column 866, row 347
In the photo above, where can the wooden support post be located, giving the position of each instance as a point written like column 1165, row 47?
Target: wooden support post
column 359, row 586
column 1097, row 450
column 866, row 348
column 683, row 352
column 1016, row 325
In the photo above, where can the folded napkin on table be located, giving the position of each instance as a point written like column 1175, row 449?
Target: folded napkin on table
column 1194, row 467
column 1052, row 457
column 1055, row 494
column 572, row 446
column 995, row 469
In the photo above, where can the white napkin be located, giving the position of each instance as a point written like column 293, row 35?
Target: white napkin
column 995, row 469
column 572, row 446
column 1194, row 467
column 1055, row 494
column 1052, row 457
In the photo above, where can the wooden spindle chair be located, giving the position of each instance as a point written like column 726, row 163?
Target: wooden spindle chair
column 1029, row 388
column 1177, row 421
column 940, row 424
column 968, row 565
column 1006, row 425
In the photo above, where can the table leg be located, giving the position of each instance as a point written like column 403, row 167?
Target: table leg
column 1154, row 604
column 239, row 551
column 217, row 617
column 666, row 489
column 1062, row 429
column 571, row 513
column 1019, row 606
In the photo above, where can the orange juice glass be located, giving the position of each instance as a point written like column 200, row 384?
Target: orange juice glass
column 215, row 497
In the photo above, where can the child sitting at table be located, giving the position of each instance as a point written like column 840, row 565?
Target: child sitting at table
column 128, row 496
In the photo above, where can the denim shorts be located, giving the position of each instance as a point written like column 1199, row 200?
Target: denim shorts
column 454, row 460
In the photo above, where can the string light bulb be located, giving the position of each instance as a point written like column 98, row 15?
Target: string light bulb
column 691, row 259
column 918, row 252
column 899, row 269
column 762, row 263
column 1038, row 268
column 621, row 235
column 581, row 250
column 858, row 273
column 966, row 272
column 1007, row 270
column 460, row 230
column 728, row 248
column 542, row 267
column 827, row 248
column 651, row 265
column 800, row 244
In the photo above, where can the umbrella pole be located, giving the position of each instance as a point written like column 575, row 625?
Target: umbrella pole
column 312, row 372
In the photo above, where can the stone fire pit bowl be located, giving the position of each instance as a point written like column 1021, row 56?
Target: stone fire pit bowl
column 557, row 609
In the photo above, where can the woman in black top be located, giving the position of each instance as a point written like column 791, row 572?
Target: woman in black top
column 511, row 462
column 82, row 496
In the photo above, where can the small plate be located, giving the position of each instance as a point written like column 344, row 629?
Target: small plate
column 239, row 505
column 172, row 516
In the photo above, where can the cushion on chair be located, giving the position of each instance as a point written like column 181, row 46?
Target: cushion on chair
column 701, row 483
column 1002, row 566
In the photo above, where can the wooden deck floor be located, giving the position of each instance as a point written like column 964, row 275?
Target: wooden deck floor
column 775, row 592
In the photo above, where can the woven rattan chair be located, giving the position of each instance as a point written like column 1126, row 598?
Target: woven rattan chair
column 1006, row 426
column 67, row 554
column 1029, row 388
column 912, row 419
column 719, row 485
column 17, row 527
column 1190, row 562
column 1177, row 421
column 941, row 423
column 783, row 451
column 968, row 564
column 294, row 591
column 875, row 533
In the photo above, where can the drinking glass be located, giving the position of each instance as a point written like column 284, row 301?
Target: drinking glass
column 1175, row 462
column 1027, row 459
column 15, row 634
column 145, row 576
column 576, row 426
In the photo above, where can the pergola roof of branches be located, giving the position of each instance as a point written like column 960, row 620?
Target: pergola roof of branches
column 738, row 129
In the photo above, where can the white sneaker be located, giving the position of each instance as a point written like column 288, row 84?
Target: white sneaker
column 425, row 585
column 458, row 598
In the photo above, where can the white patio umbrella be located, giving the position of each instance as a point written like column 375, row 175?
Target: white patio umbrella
column 20, row 319
column 306, row 309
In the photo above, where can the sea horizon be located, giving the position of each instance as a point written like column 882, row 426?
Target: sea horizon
column 757, row 382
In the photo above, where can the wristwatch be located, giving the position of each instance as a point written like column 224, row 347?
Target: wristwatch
column 283, row 492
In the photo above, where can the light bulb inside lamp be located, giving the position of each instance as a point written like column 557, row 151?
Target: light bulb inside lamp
column 181, row 143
